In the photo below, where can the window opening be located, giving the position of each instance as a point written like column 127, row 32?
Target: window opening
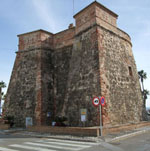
column 130, row 71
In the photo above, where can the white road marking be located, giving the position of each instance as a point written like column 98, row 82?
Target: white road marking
column 49, row 145
column 65, row 144
column 53, row 146
column 30, row 147
column 73, row 142
column 7, row 149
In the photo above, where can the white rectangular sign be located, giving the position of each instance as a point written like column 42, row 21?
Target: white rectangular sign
column 29, row 121
column 83, row 118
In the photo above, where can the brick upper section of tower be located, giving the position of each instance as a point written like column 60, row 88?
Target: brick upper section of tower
column 94, row 14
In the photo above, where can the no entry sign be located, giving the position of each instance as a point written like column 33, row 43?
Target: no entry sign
column 96, row 101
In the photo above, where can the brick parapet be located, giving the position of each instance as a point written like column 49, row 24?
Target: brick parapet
column 85, row 19
column 64, row 38
column 97, row 14
column 41, row 39
column 35, row 39
column 105, row 15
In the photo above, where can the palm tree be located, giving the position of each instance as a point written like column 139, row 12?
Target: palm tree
column 2, row 85
column 142, row 76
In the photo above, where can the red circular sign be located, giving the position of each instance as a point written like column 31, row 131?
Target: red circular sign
column 96, row 101
column 102, row 101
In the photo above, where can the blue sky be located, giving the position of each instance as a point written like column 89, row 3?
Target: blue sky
column 20, row 16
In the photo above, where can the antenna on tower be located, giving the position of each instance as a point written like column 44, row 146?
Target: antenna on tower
column 73, row 7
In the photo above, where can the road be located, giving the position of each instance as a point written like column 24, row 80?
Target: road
column 13, row 142
column 136, row 143
column 24, row 143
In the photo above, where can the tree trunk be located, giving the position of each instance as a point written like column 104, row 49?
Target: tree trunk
column 0, row 98
column 142, row 85
column 144, row 102
column 144, row 114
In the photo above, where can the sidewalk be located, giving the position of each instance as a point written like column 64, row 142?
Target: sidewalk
column 126, row 134
column 108, row 138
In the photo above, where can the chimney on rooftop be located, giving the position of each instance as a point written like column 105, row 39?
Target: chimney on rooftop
column 70, row 25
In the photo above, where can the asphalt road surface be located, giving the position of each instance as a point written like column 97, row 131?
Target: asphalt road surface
column 136, row 143
column 24, row 143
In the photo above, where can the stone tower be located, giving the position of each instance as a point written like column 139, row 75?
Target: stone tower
column 59, row 74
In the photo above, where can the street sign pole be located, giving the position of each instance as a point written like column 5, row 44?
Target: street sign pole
column 100, row 113
column 99, row 101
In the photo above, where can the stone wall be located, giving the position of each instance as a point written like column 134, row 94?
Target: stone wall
column 30, row 92
column 83, row 81
column 61, row 61
column 20, row 99
column 118, row 79
column 47, row 86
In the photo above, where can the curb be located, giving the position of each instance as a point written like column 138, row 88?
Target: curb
column 127, row 136
column 67, row 137
column 12, row 131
